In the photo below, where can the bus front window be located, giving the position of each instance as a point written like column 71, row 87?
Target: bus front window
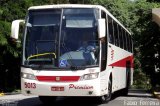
column 61, row 38
column 79, row 39
column 42, row 31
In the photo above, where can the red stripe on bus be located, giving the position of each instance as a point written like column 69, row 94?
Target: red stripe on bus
column 58, row 78
column 122, row 62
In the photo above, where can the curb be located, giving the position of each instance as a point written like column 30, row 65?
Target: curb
column 156, row 94
column 12, row 93
column 1, row 94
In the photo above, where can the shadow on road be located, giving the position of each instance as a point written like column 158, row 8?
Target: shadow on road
column 67, row 101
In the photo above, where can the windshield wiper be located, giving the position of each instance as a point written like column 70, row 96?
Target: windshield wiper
column 40, row 61
column 38, row 64
column 43, row 67
column 38, row 67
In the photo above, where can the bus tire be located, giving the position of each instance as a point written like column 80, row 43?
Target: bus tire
column 47, row 99
column 106, row 98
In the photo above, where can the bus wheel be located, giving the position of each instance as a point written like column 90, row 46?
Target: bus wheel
column 106, row 98
column 47, row 99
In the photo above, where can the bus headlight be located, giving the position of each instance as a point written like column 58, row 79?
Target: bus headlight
column 90, row 76
column 28, row 76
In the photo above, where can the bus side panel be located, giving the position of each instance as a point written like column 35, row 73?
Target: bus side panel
column 117, row 60
column 104, row 79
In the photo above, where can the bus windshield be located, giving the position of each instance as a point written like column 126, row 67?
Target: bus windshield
column 61, row 38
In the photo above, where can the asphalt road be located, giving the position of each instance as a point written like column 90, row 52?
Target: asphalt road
column 134, row 98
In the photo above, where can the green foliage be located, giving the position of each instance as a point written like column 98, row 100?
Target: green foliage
column 147, row 36
column 141, row 80
column 5, row 45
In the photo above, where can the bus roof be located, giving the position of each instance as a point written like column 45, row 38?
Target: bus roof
column 77, row 6
column 64, row 6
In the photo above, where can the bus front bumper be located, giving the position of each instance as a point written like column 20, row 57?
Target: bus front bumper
column 79, row 88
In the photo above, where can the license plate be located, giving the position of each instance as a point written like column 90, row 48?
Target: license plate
column 57, row 88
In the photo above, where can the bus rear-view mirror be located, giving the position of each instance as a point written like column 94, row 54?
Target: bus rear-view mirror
column 101, row 28
column 15, row 29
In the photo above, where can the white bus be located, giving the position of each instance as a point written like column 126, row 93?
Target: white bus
column 74, row 50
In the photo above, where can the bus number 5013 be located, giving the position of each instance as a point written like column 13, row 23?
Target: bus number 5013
column 29, row 85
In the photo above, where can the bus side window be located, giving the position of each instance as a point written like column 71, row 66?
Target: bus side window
column 103, row 14
column 116, row 34
column 110, row 30
column 128, row 42
column 125, row 40
column 120, row 37
column 131, row 45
